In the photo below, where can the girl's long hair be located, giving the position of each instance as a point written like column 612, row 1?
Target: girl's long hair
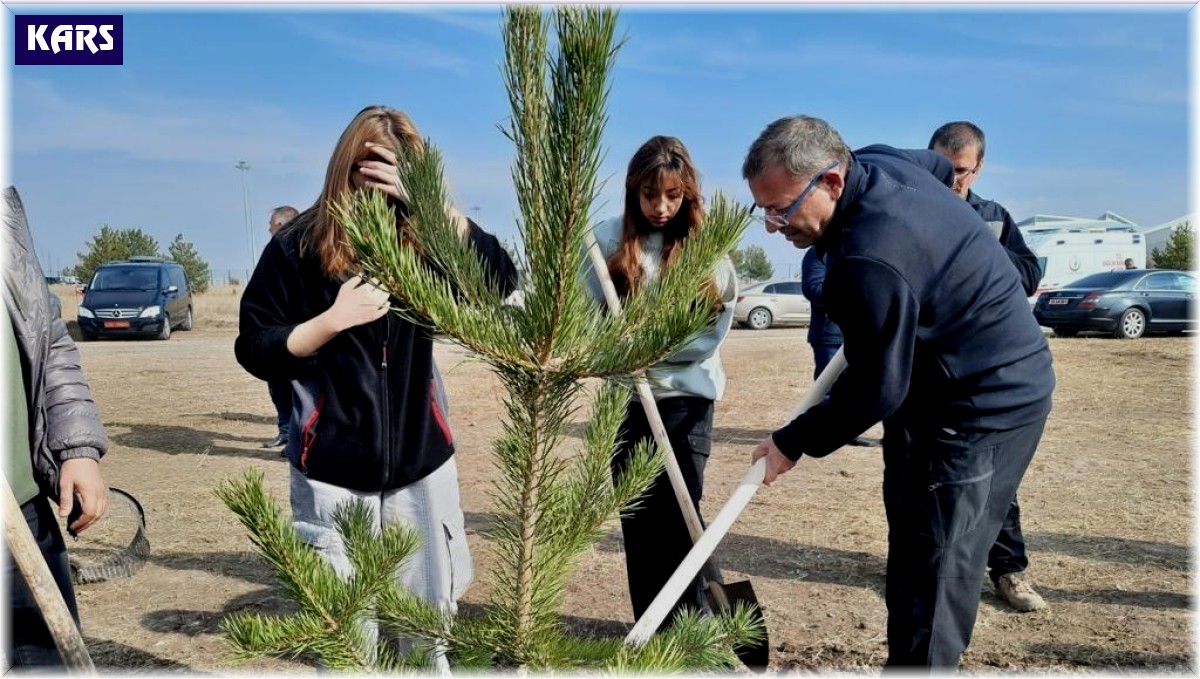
column 659, row 159
column 324, row 236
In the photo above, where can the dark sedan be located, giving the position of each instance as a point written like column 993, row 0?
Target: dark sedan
column 1127, row 303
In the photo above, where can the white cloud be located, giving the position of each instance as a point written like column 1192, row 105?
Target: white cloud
column 483, row 20
column 152, row 127
column 397, row 47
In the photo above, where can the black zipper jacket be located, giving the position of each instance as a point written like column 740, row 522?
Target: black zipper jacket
column 367, row 408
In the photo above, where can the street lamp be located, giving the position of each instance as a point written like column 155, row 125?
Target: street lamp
column 244, row 167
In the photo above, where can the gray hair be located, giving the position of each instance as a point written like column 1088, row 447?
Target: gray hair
column 801, row 144
column 958, row 136
column 284, row 214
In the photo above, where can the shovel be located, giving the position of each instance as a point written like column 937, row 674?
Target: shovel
column 37, row 576
column 722, row 597
column 661, row 606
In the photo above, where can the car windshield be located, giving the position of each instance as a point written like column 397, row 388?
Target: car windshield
column 1100, row 280
column 125, row 278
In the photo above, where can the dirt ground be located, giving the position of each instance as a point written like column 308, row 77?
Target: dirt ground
column 1106, row 510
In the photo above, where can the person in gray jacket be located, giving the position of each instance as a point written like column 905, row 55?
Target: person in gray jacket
column 55, row 437
column 662, row 208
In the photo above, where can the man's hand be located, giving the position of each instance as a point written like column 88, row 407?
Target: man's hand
column 81, row 476
column 777, row 462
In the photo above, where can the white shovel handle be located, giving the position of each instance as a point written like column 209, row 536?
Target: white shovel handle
column 696, row 558
column 712, row 536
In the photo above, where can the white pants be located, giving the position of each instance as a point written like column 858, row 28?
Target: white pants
column 439, row 571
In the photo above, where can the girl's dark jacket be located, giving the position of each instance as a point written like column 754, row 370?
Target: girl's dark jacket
column 367, row 408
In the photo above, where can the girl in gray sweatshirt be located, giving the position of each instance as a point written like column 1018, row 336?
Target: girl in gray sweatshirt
column 662, row 208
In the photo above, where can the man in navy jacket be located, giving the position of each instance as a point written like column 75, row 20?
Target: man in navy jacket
column 940, row 346
column 962, row 143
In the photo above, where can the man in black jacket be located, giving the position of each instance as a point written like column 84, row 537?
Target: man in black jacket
column 963, row 144
column 280, row 391
column 940, row 346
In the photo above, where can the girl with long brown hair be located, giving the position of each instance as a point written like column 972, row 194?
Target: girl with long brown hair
column 663, row 208
column 368, row 412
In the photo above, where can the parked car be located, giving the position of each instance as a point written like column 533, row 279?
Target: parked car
column 142, row 296
column 763, row 305
column 1127, row 303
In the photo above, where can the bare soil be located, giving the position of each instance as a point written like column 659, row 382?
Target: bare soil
column 1106, row 511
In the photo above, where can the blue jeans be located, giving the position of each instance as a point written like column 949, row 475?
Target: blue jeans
column 29, row 643
column 281, row 397
column 822, row 355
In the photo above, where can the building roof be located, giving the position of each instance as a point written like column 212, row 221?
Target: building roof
column 1106, row 222
column 1170, row 224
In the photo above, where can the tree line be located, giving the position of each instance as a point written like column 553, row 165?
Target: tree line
column 119, row 244
column 750, row 262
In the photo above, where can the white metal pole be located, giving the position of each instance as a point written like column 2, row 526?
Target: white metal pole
column 245, row 167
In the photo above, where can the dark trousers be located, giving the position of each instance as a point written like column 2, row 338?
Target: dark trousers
column 822, row 355
column 656, row 537
column 946, row 495
column 281, row 397
column 29, row 643
column 1008, row 553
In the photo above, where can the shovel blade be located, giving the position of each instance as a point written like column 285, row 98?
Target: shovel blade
column 754, row 656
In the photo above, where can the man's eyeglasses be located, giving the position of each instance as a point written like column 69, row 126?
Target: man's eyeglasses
column 965, row 171
column 773, row 217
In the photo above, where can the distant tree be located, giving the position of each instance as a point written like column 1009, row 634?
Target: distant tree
column 196, row 269
column 1178, row 252
column 751, row 263
column 113, row 244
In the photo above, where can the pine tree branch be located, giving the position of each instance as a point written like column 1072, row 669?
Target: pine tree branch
column 307, row 577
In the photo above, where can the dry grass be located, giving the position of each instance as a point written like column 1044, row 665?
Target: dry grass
column 1106, row 507
column 218, row 306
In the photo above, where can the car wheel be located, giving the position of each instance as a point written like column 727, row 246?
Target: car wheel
column 165, row 333
column 1132, row 324
column 187, row 320
column 1065, row 332
column 759, row 318
column 87, row 336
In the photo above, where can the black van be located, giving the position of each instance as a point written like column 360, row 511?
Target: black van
column 141, row 296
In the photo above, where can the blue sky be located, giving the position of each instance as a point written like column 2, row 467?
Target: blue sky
column 1085, row 108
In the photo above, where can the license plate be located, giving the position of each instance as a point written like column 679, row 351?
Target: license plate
column 116, row 324
column 1059, row 300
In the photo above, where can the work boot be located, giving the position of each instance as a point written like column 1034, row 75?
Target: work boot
column 1016, row 590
